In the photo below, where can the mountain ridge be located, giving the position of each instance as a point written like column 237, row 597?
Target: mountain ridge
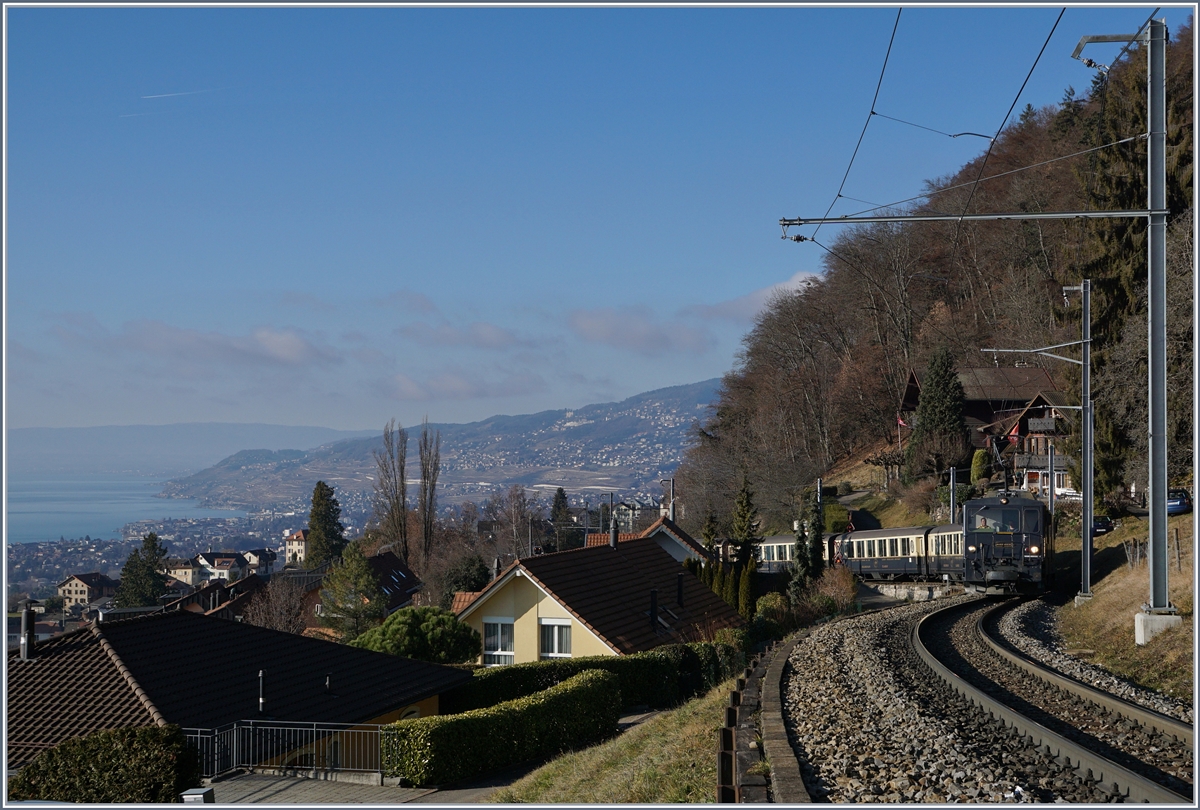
column 626, row 445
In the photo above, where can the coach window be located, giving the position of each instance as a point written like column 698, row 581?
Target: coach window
column 891, row 550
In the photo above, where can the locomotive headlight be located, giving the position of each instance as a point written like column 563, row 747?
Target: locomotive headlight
column 971, row 549
column 1034, row 549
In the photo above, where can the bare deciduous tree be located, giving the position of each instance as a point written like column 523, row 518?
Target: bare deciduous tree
column 430, row 448
column 391, row 498
column 279, row 606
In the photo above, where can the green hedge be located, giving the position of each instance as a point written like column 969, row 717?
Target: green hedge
column 446, row 748
column 146, row 765
column 658, row 678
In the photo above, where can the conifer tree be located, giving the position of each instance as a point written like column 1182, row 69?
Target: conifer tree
column 708, row 533
column 718, row 580
column 746, row 585
column 351, row 599
column 560, row 516
column 939, row 438
column 326, row 539
column 142, row 578
column 731, row 587
column 745, row 525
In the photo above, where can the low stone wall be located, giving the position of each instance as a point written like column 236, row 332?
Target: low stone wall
column 915, row 591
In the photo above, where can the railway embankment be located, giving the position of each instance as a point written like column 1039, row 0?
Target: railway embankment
column 869, row 724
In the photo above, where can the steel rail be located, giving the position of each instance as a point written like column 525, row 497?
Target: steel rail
column 1131, row 711
column 1132, row 786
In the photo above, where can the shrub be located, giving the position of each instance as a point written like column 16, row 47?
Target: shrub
column 746, row 587
column 647, row 678
column 836, row 517
column 425, row 633
column 844, row 488
column 773, row 606
column 734, row 637
column 839, row 586
column 446, row 748
column 981, row 466
column 144, row 765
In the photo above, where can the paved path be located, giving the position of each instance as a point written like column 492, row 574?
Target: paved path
column 262, row 789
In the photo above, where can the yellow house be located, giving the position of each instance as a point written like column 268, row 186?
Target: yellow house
column 599, row 600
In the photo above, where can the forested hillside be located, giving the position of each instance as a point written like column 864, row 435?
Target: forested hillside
column 822, row 372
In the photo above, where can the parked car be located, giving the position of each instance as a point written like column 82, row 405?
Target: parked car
column 1102, row 525
column 1178, row 502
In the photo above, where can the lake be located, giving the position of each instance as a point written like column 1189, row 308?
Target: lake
column 47, row 507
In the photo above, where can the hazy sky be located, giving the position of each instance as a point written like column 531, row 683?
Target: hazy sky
column 335, row 216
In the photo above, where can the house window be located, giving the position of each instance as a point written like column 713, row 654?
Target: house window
column 498, row 647
column 555, row 639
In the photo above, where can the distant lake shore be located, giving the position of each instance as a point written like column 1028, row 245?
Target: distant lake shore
column 45, row 507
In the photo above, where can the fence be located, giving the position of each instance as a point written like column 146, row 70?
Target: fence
column 272, row 744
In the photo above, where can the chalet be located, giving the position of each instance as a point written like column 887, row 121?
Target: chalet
column 83, row 589
column 988, row 394
column 260, row 561
column 1023, row 436
column 200, row 672
column 187, row 571
column 612, row 599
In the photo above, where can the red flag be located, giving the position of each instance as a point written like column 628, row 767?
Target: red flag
column 900, row 421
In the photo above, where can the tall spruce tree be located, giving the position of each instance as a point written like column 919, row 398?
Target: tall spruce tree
column 746, row 587
column 560, row 516
column 351, row 599
column 939, row 439
column 326, row 534
column 142, row 578
column 745, row 525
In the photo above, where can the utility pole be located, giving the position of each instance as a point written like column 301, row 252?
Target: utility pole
column 953, row 493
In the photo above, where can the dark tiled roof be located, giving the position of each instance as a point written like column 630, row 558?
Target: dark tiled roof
column 603, row 539
column 395, row 579
column 990, row 384
column 201, row 672
column 93, row 580
column 608, row 590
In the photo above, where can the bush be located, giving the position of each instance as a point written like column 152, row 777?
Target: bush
column 836, row 517
column 981, row 466
column 844, row 488
column 647, row 678
column 446, row 748
column 774, row 607
column 734, row 637
column 839, row 586
column 659, row 678
column 425, row 633
column 146, row 765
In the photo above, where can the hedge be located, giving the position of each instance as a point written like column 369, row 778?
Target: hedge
column 659, row 678
column 446, row 748
column 146, row 765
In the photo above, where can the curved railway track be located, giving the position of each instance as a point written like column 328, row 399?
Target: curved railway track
column 1133, row 752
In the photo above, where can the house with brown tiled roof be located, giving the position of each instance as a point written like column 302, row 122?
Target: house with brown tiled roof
column 83, row 589
column 988, row 392
column 596, row 600
column 673, row 540
column 201, row 672
column 295, row 545
column 397, row 581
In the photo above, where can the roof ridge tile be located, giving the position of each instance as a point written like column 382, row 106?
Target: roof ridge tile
column 155, row 714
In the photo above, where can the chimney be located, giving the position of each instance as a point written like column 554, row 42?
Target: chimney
column 671, row 510
column 496, row 569
column 612, row 523
column 654, row 609
column 679, row 589
column 28, row 631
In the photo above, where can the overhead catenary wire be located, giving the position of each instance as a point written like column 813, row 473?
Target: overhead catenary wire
column 1000, row 129
column 870, row 114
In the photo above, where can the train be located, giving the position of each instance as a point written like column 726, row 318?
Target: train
column 1003, row 546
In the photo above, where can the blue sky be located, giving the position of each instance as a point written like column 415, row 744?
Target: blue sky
column 334, row 216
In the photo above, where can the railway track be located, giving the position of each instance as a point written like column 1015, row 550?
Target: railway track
column 1130, row 752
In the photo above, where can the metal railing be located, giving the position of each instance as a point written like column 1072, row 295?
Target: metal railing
column 283, row 745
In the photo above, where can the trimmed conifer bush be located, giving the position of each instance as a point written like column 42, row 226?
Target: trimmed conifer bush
column 445, row 748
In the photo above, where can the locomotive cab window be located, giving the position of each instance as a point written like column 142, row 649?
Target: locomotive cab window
column 1031, row 521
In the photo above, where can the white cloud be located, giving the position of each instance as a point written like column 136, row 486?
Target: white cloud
column 745, row 308
column 639, row 330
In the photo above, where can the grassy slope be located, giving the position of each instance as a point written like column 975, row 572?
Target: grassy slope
column 1105, row 624
column 669, row 758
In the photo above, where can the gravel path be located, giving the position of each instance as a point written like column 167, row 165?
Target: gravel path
column 869, row 723
column 1031, row 629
